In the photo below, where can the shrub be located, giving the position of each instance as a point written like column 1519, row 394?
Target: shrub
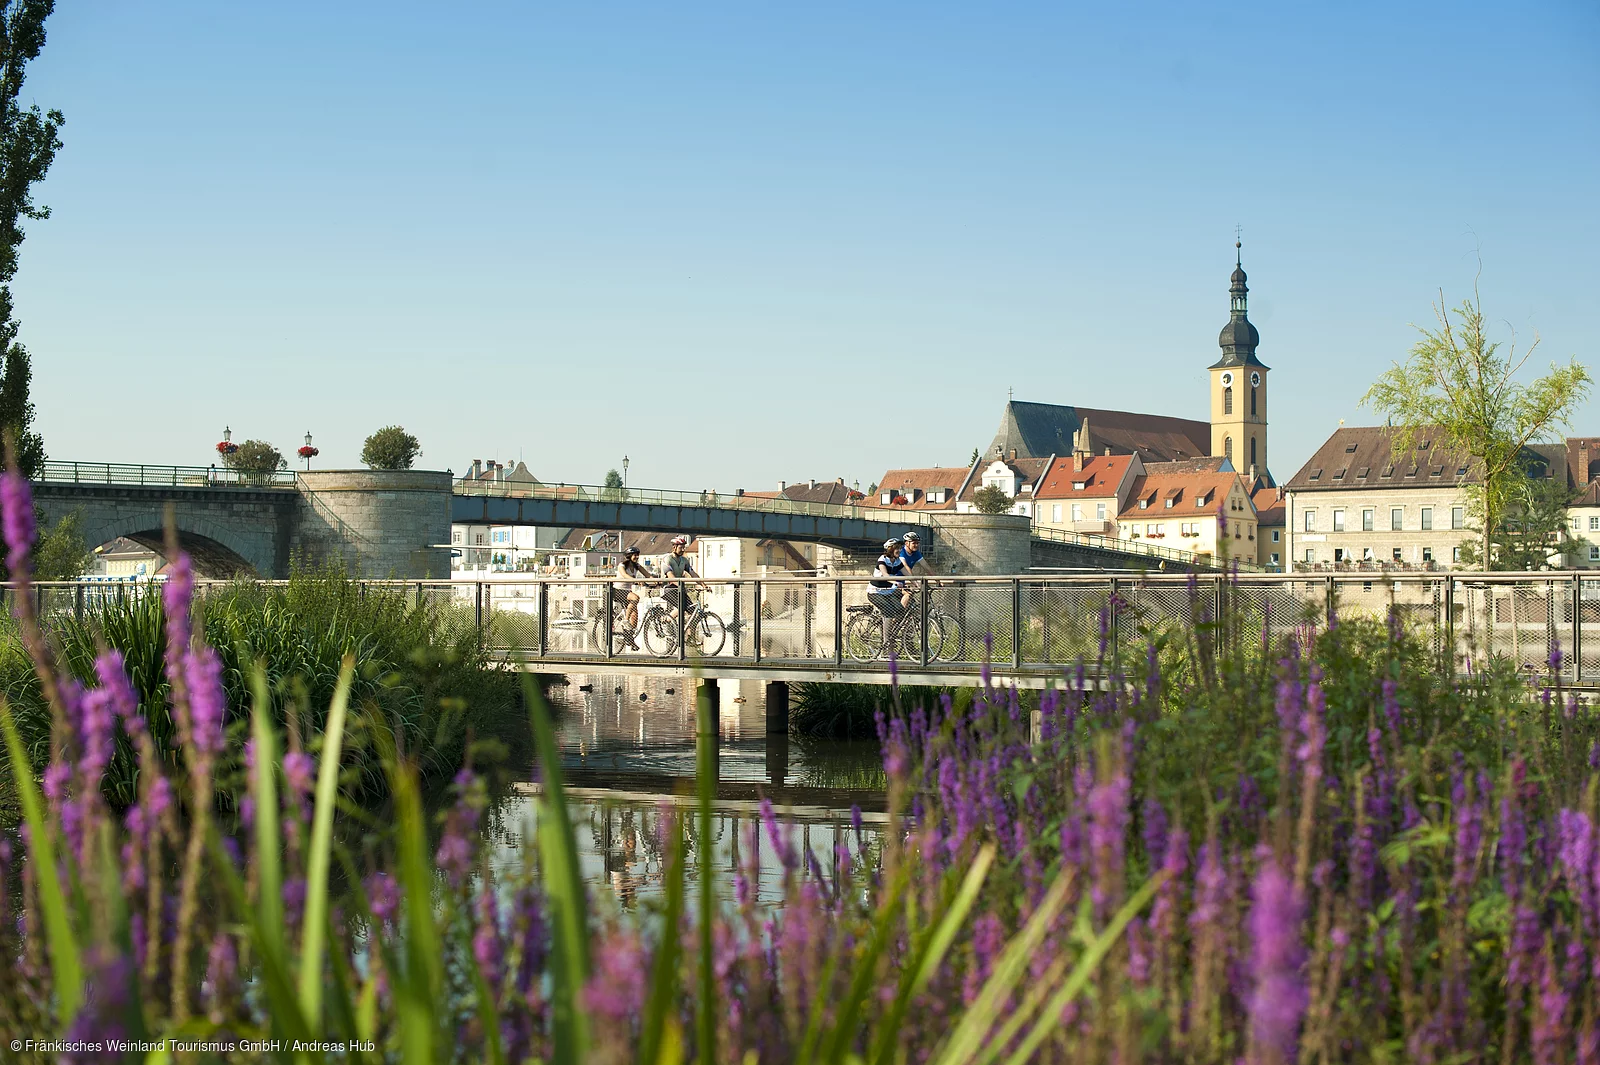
column 255, row 456
column 991, row 499
column 390, row 448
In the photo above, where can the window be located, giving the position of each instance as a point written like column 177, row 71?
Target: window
column 1455, row 554
column 455, row 534
column 1366, row 554
column 1311, row 555
column 1594, row 523
column 1397, row 554
column 722, row 549
column 1253, row 392
column 1594, row 553
column 1077, row 512
column 1227, row 400
column 1311, row 521
column 1144, row 503
column 1575, row 522
column 1427, row 518
column 1427, row 554
column 1227, row 447
column 1252, row 446
column 1157, row 529
column 1274, row 535
column 1396, row 516
column 1099, row 512
column 1339, row 554
column 1338, row 521
column 1458, row 519
column 1272, row 559
column 1366, row 519
column 1055, row 511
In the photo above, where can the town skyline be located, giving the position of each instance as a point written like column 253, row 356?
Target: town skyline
column 577, row 234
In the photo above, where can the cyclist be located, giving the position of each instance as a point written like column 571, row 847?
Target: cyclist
column 632, row 567
column 886, row 590
column 911, row 555
column 680, row 565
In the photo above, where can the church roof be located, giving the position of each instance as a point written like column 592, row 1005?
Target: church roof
column 1039, row 430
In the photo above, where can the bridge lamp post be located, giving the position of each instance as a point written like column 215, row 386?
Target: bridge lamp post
column 308, row 452
column 624, row 471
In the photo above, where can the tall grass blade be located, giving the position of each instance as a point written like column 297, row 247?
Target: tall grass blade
column 419, row 992
column 1051, row 1017
column 930, row 949
column 866, row 972
column 964, row 1043
column 264, row 790
column 66, row 961
column 664, row 973
column 314, row 938
column 705, row 775
column 563, row 883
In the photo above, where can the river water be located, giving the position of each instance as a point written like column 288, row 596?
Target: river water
column 628, row 757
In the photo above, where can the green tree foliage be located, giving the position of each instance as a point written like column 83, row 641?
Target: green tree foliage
column 991, row 499
column 613, row 486
column 1530, row 534
column 973, row 461
column 62, row 554
column 255, row 456
column 1458, row 383
column 390, row 448
column 613, row 479
column 28, row 145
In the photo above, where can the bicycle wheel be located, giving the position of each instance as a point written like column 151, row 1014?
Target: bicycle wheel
column 708, row 633
column 911, row 639
column 660, row 633
column 619, row 632
column 863, row 637
column 951, row 645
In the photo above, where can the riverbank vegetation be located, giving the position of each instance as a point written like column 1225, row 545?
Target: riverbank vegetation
column 420, row 674
column 1313, row 850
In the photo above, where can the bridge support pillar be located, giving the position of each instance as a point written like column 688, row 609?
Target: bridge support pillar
column 379, row 523
column 777, row 708
column 706, row 729
column 777, row 758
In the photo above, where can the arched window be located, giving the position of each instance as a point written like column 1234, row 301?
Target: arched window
column 1227, row 446
column 1227, row 400
column 1252, row 446
column 1253, row 392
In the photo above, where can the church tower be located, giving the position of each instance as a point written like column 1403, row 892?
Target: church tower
column 1239, row 388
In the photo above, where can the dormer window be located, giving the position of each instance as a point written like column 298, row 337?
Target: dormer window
column 1338, row 475
column 1171, row 500
column 1078, row 486
column 1363, row 471
column 1462, row 472
column 1349, row 449
column 1438, row 471
column 1388, row 471
column 886, row 498
column 1144, row 504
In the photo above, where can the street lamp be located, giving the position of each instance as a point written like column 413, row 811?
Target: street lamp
column 624, row 471
column 308, row 452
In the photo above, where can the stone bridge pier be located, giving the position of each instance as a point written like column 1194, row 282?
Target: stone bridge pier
column 375, row 523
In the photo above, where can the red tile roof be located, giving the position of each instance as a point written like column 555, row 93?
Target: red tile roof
column 1100, row 476
column 1183, row 489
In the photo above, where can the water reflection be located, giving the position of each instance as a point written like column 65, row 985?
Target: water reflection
column 628, row 756
column 623, row 843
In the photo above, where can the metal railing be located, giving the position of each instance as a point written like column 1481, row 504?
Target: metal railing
column 588, row 493
column 1140, row 547
column 1036, row 624
column 162, row 476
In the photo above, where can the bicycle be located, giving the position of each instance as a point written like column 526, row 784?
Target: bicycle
column 621, row 633
column 703, row 630
column 870, row 634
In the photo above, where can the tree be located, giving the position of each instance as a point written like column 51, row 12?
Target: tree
column 991, row 500
column 390, row 448
column 255, row 456
column 973, row 461
column 612, row 489
column 1531, row 530
column 28, row 145
column 613, row 479
column 62, row 554
column 1458, row 386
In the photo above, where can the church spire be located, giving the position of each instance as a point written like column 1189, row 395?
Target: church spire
column 1238, row 338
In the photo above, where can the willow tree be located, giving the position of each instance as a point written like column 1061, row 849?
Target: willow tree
column 1461, row 389
column 28, row 145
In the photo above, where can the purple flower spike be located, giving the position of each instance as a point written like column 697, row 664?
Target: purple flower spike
column 1279, row 998
column 16, row 509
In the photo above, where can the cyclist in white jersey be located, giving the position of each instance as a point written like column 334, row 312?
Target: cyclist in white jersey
column 632, row 567
column 680, row 565
column 886, row 588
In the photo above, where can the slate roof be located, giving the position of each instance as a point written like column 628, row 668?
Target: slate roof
column 1582, row 480
column 648, row 543
column 836, row 492
column 1037, row 430
column 1339, row 463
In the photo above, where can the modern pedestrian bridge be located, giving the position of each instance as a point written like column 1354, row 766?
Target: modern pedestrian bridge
column 397, row 523
column 1032, row 631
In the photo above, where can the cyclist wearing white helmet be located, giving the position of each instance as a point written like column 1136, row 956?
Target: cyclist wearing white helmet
column 885, row 591
column 632, row 567
column 680, row 565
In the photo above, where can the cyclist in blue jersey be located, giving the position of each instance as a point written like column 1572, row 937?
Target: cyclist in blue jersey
column 911, row 556
column 885, row 591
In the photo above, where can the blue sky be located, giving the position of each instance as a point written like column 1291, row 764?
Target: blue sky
column 745, row 245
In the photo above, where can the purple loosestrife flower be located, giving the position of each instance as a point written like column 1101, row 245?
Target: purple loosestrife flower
column 1391, row 706
column 16, row 515
column 616, row 991
column 112, row 673
column 202, row 674
column 1278, row 1001
column 1155, row 832
column 1550, row 1030
column 109, row 977
column 781, row 847
column 294, row 900
column 486, row 949
column 1108, row 826
column 383, row 897
column 222, row 970
column 1580, row 864
column 988, row 939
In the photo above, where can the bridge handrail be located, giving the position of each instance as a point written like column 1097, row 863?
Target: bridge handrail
column 1139, row 547
column 589, row 493
column 58, row 472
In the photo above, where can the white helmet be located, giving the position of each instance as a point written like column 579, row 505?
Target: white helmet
column 911, row 537
column 680, row 541
column 890, row 545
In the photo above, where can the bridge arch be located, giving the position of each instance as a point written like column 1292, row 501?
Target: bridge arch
column 221, row 542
